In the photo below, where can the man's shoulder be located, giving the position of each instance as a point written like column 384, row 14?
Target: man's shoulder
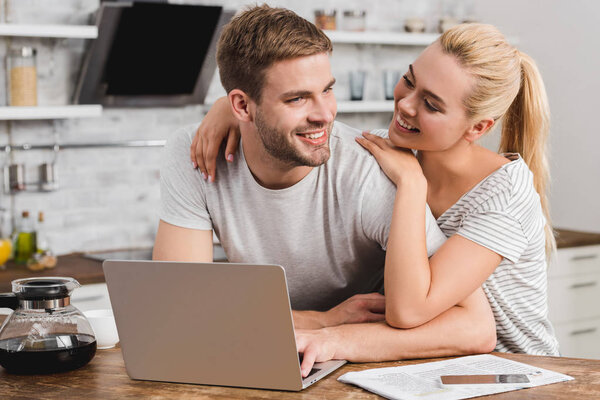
column 346, row 152
column 182, row 136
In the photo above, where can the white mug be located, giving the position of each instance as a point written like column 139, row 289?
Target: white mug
column 105, row 329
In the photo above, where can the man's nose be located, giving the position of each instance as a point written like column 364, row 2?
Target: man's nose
column 323, row 110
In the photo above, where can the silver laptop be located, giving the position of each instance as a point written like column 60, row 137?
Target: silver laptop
column 207, row 323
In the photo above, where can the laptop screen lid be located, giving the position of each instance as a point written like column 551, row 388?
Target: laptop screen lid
column 207, row 323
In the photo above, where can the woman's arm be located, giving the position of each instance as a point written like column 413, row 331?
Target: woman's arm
column 419, row 289
column 218, row 124
column 467, row 328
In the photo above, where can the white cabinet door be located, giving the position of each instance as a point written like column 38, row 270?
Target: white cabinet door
column 572, row 298
column 579, row 339
column 576, row 260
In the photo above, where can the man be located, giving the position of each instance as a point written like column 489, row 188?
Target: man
column 303, row 195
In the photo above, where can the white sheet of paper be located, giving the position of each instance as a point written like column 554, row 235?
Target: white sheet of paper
column 422, row 381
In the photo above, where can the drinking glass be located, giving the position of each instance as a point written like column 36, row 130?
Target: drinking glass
column 390, row 79
column 357, row 84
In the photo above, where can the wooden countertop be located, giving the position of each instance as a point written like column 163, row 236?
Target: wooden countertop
column 567, row 238
column 105, row 378
column 71, row 265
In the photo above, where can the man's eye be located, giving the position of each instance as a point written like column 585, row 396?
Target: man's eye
column 407, row 82
column 294, row 100
column 329, row 89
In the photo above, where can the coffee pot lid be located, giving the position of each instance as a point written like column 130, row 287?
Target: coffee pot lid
column 44, row 288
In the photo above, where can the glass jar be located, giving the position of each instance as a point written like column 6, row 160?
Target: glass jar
column 22, row 76
column 325, row 19
column 44, row 333
column 355, row 20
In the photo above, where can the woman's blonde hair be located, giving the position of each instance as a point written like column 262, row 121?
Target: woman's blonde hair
column 507, row 85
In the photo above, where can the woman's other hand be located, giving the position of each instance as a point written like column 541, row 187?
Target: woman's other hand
column 218, row 124
column 398, row 164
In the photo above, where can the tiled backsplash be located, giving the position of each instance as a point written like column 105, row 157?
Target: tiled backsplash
column 109, row 197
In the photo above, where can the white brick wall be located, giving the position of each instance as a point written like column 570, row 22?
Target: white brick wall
column 109, row 197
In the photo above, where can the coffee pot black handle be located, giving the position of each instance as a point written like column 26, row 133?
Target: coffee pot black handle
column 9, row 300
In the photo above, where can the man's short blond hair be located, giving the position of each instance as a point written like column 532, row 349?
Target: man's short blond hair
column 260, row 36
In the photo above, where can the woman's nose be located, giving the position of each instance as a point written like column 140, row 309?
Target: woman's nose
column 407, row 105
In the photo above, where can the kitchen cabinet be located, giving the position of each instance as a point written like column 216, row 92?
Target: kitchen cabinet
column 53, row 112
column 573, row 297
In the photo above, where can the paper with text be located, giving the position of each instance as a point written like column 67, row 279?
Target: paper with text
column 422, row 381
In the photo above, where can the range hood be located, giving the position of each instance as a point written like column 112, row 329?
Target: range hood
column 151, row 54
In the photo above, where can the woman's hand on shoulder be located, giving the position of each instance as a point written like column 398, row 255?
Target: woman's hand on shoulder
column 218, row 124
column 399, row 164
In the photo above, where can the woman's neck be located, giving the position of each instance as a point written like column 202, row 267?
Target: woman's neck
column 453, row 172
column 445, row 168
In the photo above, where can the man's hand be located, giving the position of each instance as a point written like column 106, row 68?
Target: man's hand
column 316, row 345
column 357, row 309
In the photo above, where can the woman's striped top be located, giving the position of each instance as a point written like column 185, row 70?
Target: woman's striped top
column 503, row 213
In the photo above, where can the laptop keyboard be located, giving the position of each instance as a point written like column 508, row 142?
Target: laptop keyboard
column 312, row 371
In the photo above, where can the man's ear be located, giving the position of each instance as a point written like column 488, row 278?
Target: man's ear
column 478, row 129
column 240, row 105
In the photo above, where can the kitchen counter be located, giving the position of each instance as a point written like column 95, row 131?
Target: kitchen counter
column 71, row 265
column 79, row 266
column 568, row 238
column 105, row 378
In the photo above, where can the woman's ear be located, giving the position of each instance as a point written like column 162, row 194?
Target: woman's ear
column 240, row 105
column 478, row 129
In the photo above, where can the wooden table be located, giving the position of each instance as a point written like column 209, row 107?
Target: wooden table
column 105, row 378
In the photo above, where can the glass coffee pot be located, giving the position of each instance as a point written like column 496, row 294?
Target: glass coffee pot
column 44, row 333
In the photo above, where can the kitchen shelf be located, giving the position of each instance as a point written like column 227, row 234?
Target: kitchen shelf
column 375, row 37
column 365, row 106
column 53, row 112
column 54, row 31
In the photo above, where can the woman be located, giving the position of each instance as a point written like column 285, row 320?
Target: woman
column 492, row 207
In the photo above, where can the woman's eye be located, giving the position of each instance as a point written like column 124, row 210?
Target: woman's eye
column 408, row 82
column 430, row 106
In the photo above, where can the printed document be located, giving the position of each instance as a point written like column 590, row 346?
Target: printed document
column 422, row 381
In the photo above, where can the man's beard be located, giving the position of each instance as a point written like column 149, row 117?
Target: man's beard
column 279, row 146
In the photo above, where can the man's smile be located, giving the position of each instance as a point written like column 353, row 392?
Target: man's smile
column 314, row 138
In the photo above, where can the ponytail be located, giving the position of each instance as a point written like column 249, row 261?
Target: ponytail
column 507, row 85
column 525, row 129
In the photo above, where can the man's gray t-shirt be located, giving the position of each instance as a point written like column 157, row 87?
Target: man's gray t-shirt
column 329, row 231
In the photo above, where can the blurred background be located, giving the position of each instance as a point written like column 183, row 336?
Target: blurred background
column 108, row 197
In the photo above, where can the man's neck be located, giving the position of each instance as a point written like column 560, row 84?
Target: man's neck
column 268, row 171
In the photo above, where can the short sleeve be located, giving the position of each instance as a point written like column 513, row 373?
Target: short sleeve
column 377, row 210
column 181, row 186
column 377, row 207
column 435, row 238
column 497, row 231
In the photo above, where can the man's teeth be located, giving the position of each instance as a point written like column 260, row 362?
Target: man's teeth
column 404, row 124
column 315, row 135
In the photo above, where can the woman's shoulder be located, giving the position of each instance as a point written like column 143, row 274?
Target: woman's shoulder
column 504, row 188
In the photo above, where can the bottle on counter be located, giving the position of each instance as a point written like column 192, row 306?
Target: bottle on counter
column 44, row 254
column 6, row 242
column 25, row 241
column 43, row 257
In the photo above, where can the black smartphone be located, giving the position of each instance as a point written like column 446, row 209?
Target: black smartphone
column 483, row 379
